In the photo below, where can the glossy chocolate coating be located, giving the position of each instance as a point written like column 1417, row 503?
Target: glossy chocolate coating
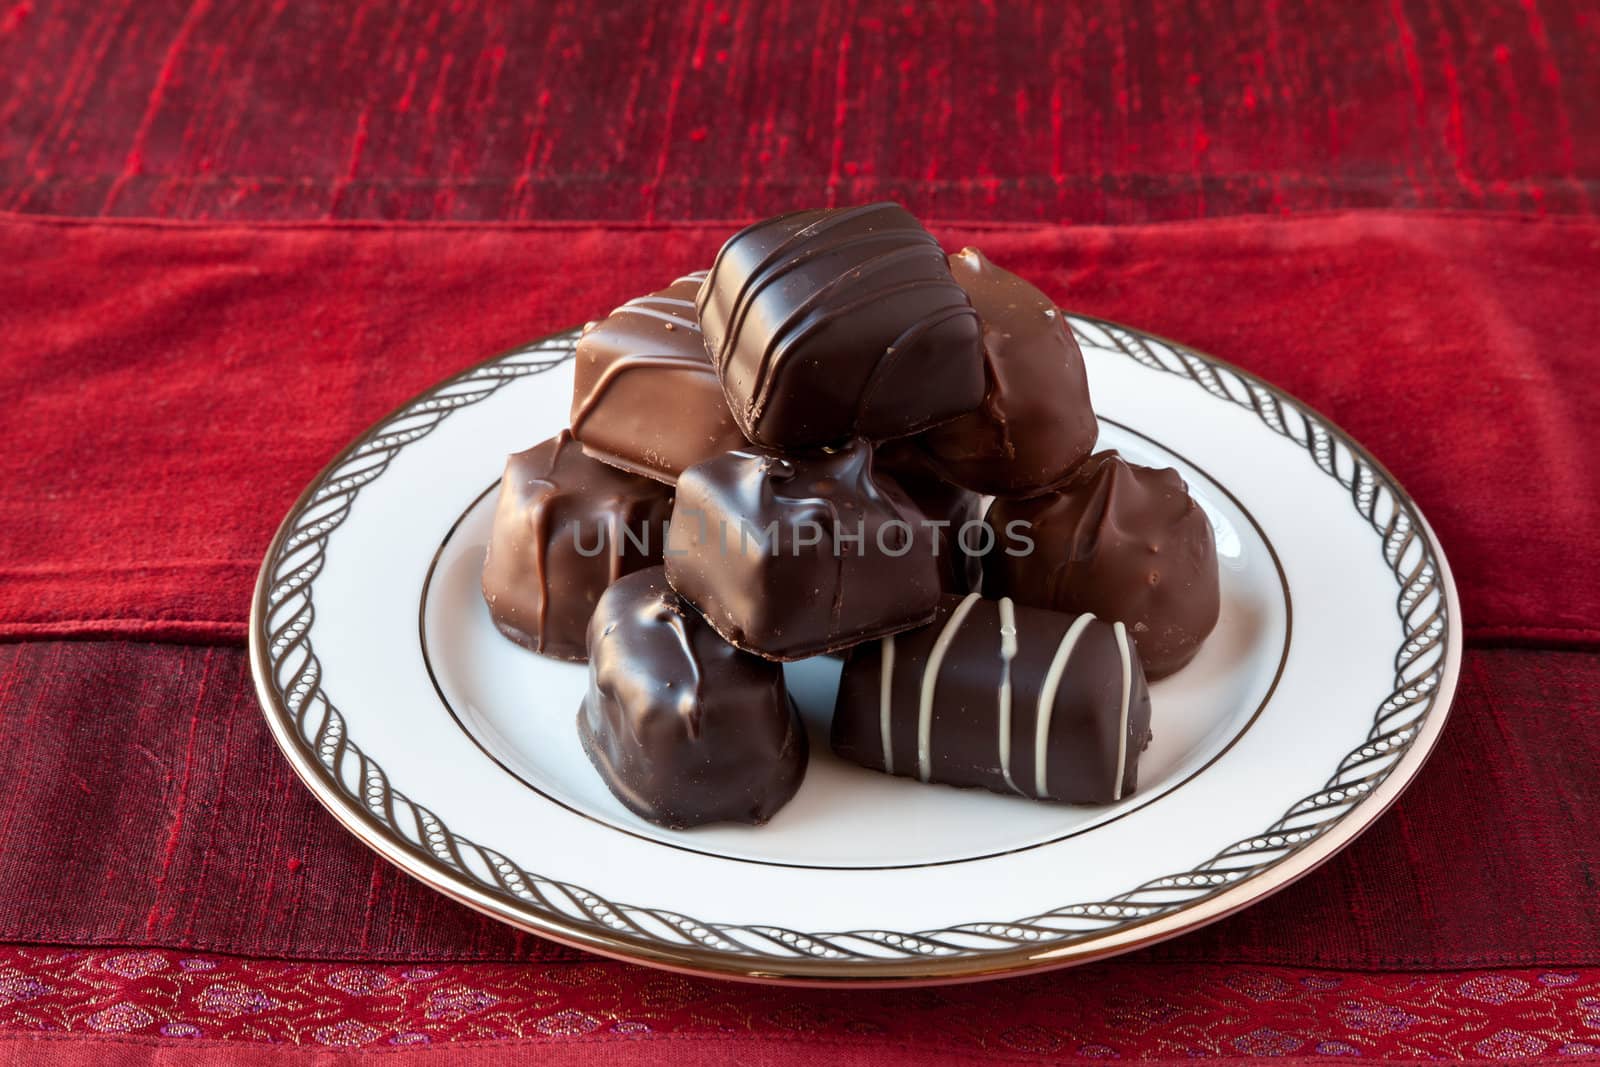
column 684, row 728
column 752, row 545
column 828, row 325
column 976, row 697
column 1124, row 542
column 559, row 538
column 646, row 397
column 946, row 504
column 1035, row 423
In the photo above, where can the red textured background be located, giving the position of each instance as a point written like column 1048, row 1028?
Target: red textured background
column 232, row 234
column 222, row 406
column 1125, row 111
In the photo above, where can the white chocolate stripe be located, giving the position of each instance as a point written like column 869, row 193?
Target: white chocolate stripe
column 930, row 681
column 1008, row 652
column 885, row 688
column 1047, row 701
column 1127, row 694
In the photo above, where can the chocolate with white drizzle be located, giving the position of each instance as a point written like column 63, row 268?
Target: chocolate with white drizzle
column 565, row 527
column 1013, row 699
column 827, row 325
column 684, row 728
column 645, row 396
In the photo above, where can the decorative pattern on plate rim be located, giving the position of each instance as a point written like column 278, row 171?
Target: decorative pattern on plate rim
column 289, row 681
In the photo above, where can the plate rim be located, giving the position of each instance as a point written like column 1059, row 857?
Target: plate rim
column 1266, row 699
column 920, row 965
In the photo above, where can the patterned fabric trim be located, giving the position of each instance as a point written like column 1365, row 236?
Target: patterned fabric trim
column 1105, row 1011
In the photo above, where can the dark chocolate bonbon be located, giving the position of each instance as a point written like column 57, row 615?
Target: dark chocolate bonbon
column 791, row 555
column 684, row 728
column 828, row 325
column 956, row 513
column 1005, row 697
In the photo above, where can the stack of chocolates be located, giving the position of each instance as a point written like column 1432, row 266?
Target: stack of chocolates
column 789, row 455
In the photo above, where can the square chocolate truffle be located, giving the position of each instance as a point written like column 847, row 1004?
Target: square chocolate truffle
column 792, row 555
column 565, row 527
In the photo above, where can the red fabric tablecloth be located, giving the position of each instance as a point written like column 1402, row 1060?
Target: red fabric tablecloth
column 232, row 235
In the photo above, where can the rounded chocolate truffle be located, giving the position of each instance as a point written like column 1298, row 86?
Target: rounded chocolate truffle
column 684, row 728
column 1035, row 423
column 565, row 527
column 790, row 555
column 1124, row 542
column 828, row 325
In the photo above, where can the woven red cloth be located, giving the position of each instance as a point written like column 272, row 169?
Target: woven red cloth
column 1115, row 111
column 146, row 805
column 169, row 894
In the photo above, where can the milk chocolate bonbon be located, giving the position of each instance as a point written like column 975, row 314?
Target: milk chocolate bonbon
column 565, row 527
column 645, row 396
column 1035, row 423
column 1124, row 542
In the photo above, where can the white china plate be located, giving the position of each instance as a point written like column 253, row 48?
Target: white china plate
column 454, row 754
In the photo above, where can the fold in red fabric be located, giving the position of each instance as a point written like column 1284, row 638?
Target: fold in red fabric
column 171, row 387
